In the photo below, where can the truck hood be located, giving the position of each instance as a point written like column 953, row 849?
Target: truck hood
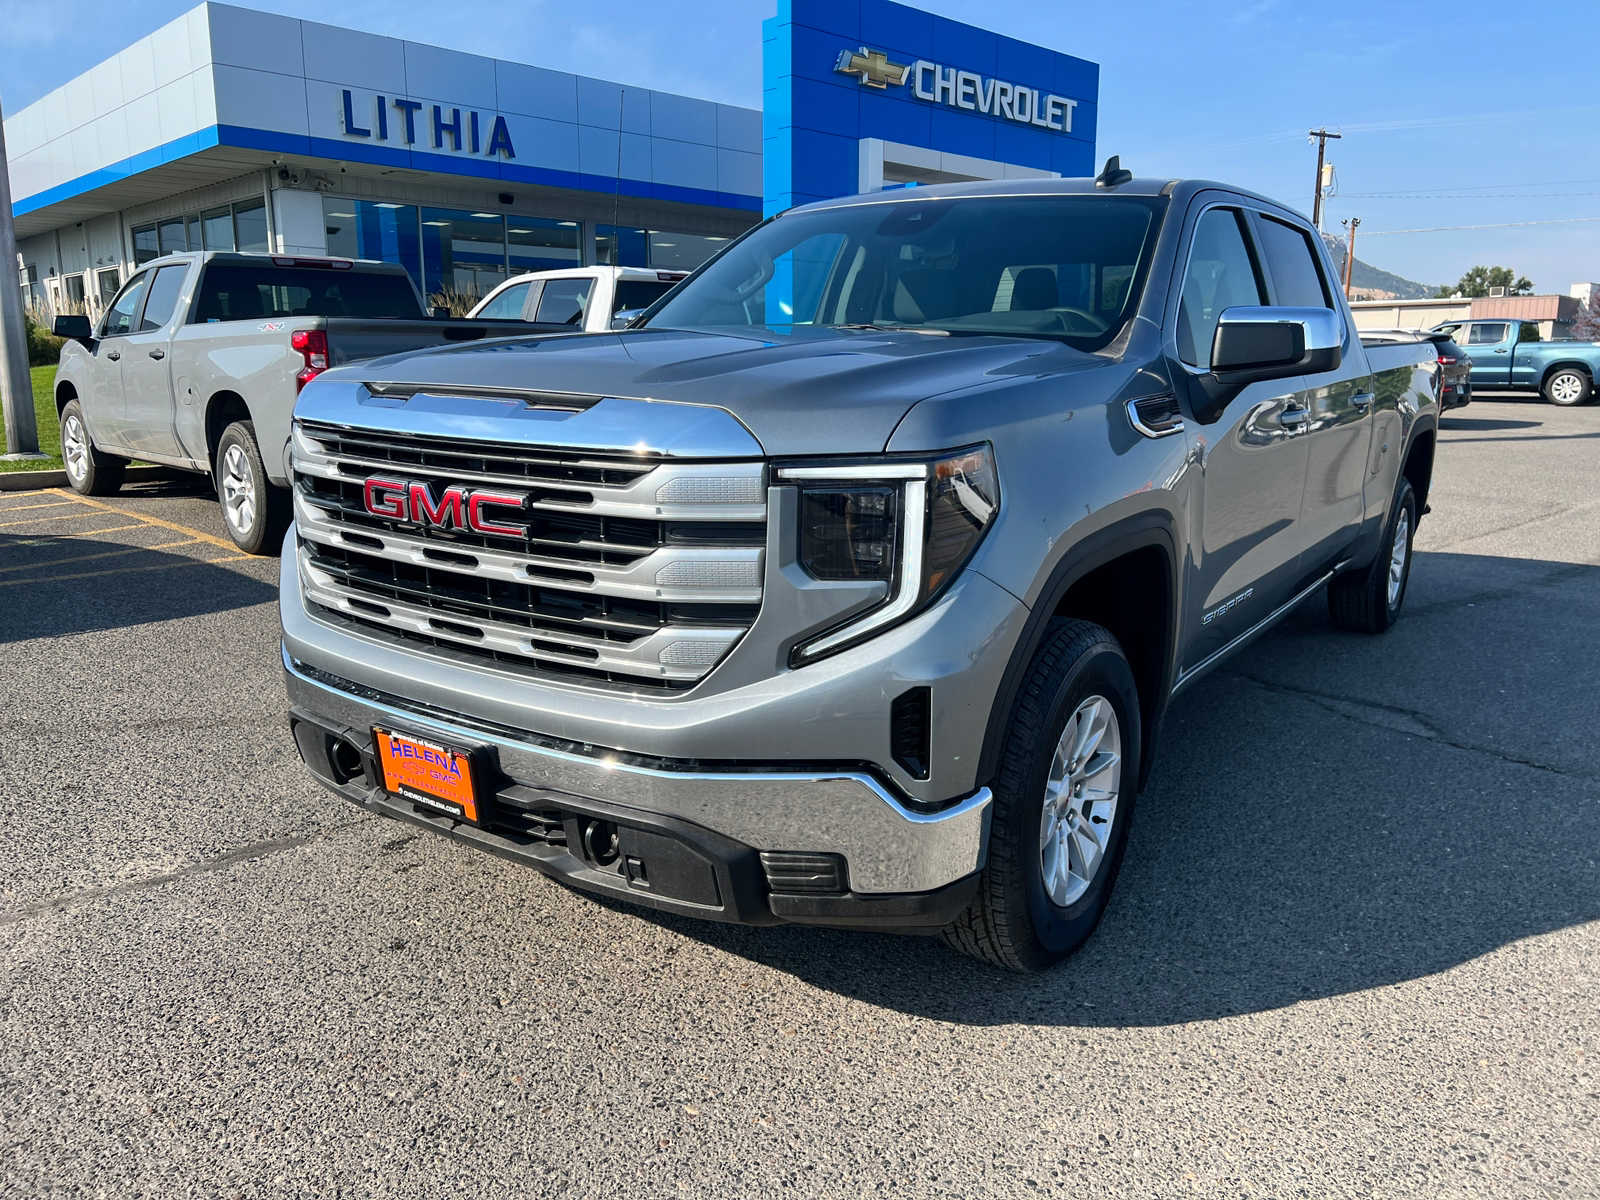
column 801, row 391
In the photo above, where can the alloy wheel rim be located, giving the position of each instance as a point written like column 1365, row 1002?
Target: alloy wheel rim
column 1397, row 556
column 238, row 489
column 1080, row 801
column 75, row 448
column 1566, row 388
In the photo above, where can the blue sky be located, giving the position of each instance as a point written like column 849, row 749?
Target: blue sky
column 1479, row 114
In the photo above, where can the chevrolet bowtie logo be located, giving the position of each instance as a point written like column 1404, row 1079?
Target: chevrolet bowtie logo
column 872, row 67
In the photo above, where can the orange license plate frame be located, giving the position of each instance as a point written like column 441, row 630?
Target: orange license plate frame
column 441, row 779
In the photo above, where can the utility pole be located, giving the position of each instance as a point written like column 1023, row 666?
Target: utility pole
column 1322, row 136
column 1351, row 224
column 16, row 385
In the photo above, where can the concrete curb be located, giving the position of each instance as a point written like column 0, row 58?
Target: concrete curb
column 27, row 481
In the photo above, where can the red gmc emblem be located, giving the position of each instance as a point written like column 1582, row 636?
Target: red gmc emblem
column 456, row 507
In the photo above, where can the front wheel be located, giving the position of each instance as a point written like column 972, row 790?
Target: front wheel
column 1567, row 387
column 1063, row 802
column 1369, row 601
column 254, row 512
column 89, row 472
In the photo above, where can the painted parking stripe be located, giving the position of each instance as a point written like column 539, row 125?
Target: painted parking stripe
column 171, row 566
column 78, row 558
column 201, row 535
column 25, row 507
column 76, row 515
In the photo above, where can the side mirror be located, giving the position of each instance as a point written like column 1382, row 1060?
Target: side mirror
column 439, row 312
column 73, row 326
column 625, row 318
column 1256, row 343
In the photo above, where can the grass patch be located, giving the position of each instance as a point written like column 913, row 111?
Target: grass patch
column 44, row 408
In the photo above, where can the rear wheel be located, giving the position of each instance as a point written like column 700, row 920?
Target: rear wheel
column 1063, row 802
column 254, row 512
column 89, row 472
column 1369, row 601
column 1567, row 387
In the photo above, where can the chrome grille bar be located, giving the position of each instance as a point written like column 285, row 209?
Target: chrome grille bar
column 636, row 571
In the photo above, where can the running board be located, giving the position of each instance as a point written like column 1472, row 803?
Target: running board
column 1261, row 626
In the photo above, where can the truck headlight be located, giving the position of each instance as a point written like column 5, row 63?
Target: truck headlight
column 910, row 524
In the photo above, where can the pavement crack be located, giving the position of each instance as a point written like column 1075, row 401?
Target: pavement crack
column 61, row 902
column 1404, row 720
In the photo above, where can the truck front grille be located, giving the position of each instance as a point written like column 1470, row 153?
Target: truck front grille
column 636, row 572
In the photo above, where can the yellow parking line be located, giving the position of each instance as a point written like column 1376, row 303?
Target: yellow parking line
column 157, row 521
column 171, row 566
column 71, row 516
column 77, row 558
column 24, row 507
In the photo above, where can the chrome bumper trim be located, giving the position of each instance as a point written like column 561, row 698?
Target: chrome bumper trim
column 888, row 847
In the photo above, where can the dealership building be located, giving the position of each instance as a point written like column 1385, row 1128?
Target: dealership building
column 235, row 129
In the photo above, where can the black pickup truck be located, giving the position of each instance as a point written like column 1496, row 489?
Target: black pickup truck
column 850, row 583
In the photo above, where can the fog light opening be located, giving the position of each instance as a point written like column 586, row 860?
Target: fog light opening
column 600, row 842
column 344, row 760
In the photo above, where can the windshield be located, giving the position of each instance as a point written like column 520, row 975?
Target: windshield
column 1065, row 267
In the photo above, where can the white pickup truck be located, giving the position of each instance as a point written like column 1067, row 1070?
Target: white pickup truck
column 585, row 298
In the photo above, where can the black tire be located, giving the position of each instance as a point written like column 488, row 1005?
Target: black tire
column 1361, row 601
column 89, row 471
column 254, row 512
column 1568, row 387
column 1012, row 922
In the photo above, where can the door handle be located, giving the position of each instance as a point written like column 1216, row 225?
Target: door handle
column 158, row 354
column 1362, row 400
column 1294, row 418
column 1502, row 350
column 114, row 355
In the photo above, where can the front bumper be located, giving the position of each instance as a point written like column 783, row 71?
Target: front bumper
column 756, row 847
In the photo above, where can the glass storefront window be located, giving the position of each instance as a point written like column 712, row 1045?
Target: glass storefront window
column 250, row 226
column 109, row 279
column 171, row 236
column 635, row 246
column 145, row 246
column 463, row 254
column 681, row 251
column 216, row 229
column 364, row 229
column 542, row 244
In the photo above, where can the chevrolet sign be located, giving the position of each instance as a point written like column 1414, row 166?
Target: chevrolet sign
column 965, row 90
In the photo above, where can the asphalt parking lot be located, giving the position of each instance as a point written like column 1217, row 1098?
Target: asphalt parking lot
column 1355, row 949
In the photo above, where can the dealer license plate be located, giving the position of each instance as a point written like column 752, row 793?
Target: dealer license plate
column 439, row 778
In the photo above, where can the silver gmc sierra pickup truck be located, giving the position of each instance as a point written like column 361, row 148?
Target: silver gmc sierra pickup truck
column 850, row 583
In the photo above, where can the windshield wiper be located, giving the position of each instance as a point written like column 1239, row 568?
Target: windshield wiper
column 876, row 328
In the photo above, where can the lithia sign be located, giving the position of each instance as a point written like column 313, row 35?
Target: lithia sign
column 965, row 90
column 396, row 119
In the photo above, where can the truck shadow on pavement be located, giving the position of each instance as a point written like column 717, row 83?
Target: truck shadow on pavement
column 1329, row 813
column 53, row 585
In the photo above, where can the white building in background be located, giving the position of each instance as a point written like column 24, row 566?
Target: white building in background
column 235, row 129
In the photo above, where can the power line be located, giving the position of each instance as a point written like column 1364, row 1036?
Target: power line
column 1461, row 195
column 1495, row 225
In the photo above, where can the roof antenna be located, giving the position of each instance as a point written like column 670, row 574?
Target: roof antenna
column 1113, row 174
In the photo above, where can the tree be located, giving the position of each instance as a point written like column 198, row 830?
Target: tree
column 1477, row 282
column 1586, row 325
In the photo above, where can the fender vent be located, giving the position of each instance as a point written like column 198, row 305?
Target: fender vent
column 911, row 731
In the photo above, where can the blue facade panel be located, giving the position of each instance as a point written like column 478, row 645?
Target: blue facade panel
column 915, row 79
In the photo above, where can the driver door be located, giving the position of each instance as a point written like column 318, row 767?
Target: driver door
column 102, row 398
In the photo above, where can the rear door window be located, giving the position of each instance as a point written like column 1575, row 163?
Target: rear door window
column 1292, row 266
column 163, row 301
column 564, row 301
